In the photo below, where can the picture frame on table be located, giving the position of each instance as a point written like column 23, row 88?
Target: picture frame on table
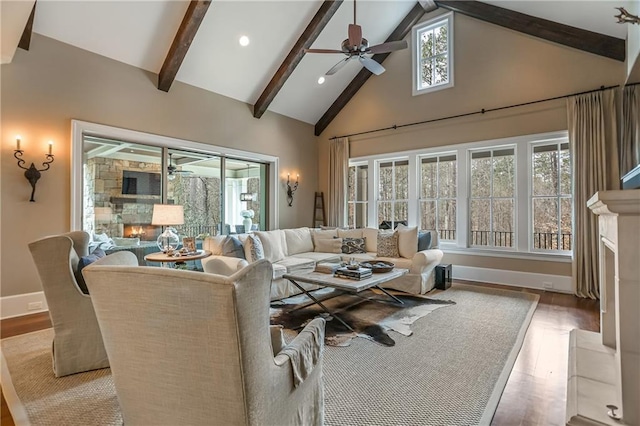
column 189, row 244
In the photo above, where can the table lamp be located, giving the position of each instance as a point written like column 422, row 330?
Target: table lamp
column 168, row 215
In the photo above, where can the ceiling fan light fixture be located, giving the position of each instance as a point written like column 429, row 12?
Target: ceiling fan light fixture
column 244, row 41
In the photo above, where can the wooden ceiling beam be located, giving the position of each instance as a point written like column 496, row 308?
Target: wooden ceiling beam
column 182, row 41
column 25, row 39
column 398, row 33
column 577, row 38
column 309, row 35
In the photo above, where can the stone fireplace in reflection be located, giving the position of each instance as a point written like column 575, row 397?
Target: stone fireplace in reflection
column 604, row 368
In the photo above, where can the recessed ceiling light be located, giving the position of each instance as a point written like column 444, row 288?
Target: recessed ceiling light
column 321, row 80
column 244, row 41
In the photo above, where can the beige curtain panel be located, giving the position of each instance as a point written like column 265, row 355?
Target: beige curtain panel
column 338, row 173
column 630, row 137
column 593, row 140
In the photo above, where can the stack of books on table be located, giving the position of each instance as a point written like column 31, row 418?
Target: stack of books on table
column 353, row 274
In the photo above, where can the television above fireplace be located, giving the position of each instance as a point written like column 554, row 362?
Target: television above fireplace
column 140, row 183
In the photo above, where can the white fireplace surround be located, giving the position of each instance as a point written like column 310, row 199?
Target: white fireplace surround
column 604, row 368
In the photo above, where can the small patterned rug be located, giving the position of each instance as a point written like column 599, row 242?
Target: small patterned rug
column 371, row 315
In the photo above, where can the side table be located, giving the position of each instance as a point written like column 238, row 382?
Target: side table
column 165, row 258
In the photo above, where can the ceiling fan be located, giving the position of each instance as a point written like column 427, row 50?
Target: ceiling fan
column 173, row 170
column 356, row 47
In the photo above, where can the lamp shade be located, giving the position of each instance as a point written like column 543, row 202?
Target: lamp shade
column 103, row 214
column 167, row 215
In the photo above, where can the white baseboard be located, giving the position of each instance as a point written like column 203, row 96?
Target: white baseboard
column 559, row 283
column 18, row 305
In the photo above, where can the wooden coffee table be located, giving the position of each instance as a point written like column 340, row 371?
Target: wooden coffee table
column 343, row 285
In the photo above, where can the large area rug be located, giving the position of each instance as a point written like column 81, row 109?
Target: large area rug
column 371, row 315
column 450, row 371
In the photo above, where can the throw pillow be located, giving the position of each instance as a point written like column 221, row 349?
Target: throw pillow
column 298, row 240
column 407, row 240
column 232, row 247
column 253, row 250
column 326, row 245
column 353, row 245
column 274, row 244
column 388, row 244
column 424, row 240
column 84, row 262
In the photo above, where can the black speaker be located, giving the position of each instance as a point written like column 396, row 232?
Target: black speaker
column 443, row 276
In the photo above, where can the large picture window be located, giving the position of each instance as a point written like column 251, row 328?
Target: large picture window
column 492, row 200
column 433, row 55
column 438, row 192
column 393, row 193
column 357, row 192
column 551, row 201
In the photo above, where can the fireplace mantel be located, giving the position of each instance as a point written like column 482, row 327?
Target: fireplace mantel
column 604, row 368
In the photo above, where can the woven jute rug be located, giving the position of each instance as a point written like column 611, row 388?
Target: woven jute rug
column 450, row 371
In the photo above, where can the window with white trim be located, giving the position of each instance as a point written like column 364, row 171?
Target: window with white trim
column 438, row 192
column 492, row 197
column 393, row 193
column 551, row 201
column 358, row 201
column 433, row 54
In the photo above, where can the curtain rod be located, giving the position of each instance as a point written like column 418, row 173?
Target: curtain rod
column 482, row 111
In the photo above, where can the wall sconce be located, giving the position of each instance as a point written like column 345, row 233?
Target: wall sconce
column 291, row 188
column 32, row 173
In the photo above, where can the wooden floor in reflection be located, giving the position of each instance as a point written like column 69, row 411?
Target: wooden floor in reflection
column 536, row 391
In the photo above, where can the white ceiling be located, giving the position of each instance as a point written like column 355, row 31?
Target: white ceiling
column 140, row 33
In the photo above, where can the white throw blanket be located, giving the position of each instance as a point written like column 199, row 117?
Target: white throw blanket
column 305, row 356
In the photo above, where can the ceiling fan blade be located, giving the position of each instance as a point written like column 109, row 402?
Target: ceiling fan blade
column 337, row 66
column 323, row 51
column 371, row 65
column 355, row 35
column 391, row 46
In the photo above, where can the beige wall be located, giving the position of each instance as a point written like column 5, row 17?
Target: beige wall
column 43, row 89
column 494, row 67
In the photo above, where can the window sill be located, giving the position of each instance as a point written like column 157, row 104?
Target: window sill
column 561, row 258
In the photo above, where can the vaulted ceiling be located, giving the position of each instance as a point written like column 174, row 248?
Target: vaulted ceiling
column 196, row 42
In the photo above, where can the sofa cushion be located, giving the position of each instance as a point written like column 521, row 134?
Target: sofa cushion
column 407, row 240
column 359, row 257
column 319, row 257
column 253, row 250
column 350, row 233
column 353, row 245
column 326, row 245
column 232, row 247
column 424, row 240
column 274, row 244
column 371, row 242
column 214, row 244
column 294, row 263
column 323, row 234
column 388, row 244
column 298, row 240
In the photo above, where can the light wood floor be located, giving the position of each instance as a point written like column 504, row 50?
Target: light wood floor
column 536, row 391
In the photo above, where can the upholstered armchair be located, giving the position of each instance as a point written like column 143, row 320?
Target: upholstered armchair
column 194, row 348
column 77, row 342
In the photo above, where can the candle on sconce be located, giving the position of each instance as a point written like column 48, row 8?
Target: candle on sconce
column 18, row 137
column 50, row 146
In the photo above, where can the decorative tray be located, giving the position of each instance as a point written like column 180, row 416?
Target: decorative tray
column 378, row 266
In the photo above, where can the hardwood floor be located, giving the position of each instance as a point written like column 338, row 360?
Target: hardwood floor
column 536, row 391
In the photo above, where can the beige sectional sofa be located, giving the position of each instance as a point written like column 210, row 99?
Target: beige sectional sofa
column 291, row 250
